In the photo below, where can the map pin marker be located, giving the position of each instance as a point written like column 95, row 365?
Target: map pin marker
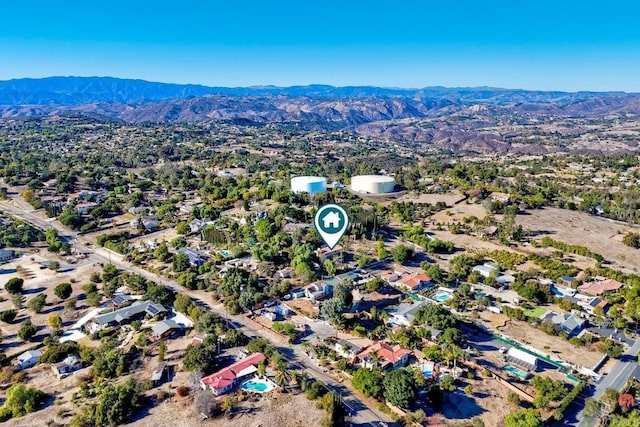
column 331, row 221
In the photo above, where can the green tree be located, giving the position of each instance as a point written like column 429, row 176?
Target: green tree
column 201, row 357
column 63, row 290
column 182, row 303
column 632, row 239
column 37, row 303
column 21, row 400
column 8, row 316
column 400, row 387
column 109, row 271
column 591, row 408
column 162, row 350
column 334, row 309
column 14, row 285
column 117, row 403
column 523, row 418
column 162, row 253
column 368, row 382
column 401, row 253
column 182, row 228
column 27, row 330
column 55, row 321
column 181, row 262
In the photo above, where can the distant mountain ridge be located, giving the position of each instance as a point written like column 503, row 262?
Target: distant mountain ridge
column 86, row 90
column 454, row 119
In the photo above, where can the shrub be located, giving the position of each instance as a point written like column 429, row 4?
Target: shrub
column 182, row 391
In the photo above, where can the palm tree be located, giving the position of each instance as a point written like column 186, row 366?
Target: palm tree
column 262, row 369
column 282, row 379
column 227, row 405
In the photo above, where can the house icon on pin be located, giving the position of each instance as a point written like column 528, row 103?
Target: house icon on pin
column 331, row 220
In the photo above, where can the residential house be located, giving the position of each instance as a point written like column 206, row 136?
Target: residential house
column 568, row 323
column 27, row 359
column 414, row 282
column 390, row 276
column 6, row 255
column 318, row 291
column 347, row 349
column 196, row 259
column 123, row 315
column 487, row 269
column 404, row 314
column 86, row 207
column 497, row 196
column 600, row 286
column 388, row 357
column 227, row 379
column 149, row 222
column 121, row 299
column 589, row 306
column 70, row 364
column 327, row 253
column 164, row 329
column 200, row 224
column 567, row 281
column 285, row 273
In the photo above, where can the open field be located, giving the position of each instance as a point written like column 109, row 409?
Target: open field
column 277, row 409
column 487, row 402
column 556, row 347
column 36, row 281
column 601, row 235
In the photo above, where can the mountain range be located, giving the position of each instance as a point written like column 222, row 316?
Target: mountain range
column 450, row 116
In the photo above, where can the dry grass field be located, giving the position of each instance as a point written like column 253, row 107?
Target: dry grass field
column 601, row 235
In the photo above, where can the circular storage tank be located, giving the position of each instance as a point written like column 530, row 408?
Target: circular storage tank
column 373, row 184
column 308, row 184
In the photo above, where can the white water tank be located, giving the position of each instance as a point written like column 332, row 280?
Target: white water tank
column 309, row 184
column 373, row 184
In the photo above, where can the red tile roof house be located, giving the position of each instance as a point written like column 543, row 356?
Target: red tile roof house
column 389, row 357
column 600, row 286
column 227, row 379
column 414, row 282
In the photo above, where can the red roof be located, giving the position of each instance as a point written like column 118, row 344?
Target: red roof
column 386, row 352
column 227, row 376
column 600, row 287
column 413, row 281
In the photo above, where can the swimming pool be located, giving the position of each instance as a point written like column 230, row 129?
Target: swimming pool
column 517, row 372
column 258, row 385
column 442, row 297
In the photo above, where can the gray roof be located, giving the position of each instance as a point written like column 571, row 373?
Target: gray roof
column 352, row 347
column 161, row 327
column 27, row 355
column 157, row 374
column 134, row 309
column 408, row 311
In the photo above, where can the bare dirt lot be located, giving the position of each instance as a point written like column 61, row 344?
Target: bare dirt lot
column 601, row 235
column 556, row 347
column 283, row 410
column 487, row 402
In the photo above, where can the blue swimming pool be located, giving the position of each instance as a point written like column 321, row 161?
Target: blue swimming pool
column 442, row 297
column 517, row 372
column 257, row 386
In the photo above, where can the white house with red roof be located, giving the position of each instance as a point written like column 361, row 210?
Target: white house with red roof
column 414, row 282
column 388, row 357
column 227, row 379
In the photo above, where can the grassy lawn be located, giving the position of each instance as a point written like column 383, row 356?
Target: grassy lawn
column 535, row 312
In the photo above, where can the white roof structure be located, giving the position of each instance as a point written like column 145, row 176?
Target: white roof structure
column 522, row 358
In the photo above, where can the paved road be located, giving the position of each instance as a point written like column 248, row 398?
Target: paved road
column 621, row 372
column 363, row 415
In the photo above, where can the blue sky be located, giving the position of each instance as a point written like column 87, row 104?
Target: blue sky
column 547, row 45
